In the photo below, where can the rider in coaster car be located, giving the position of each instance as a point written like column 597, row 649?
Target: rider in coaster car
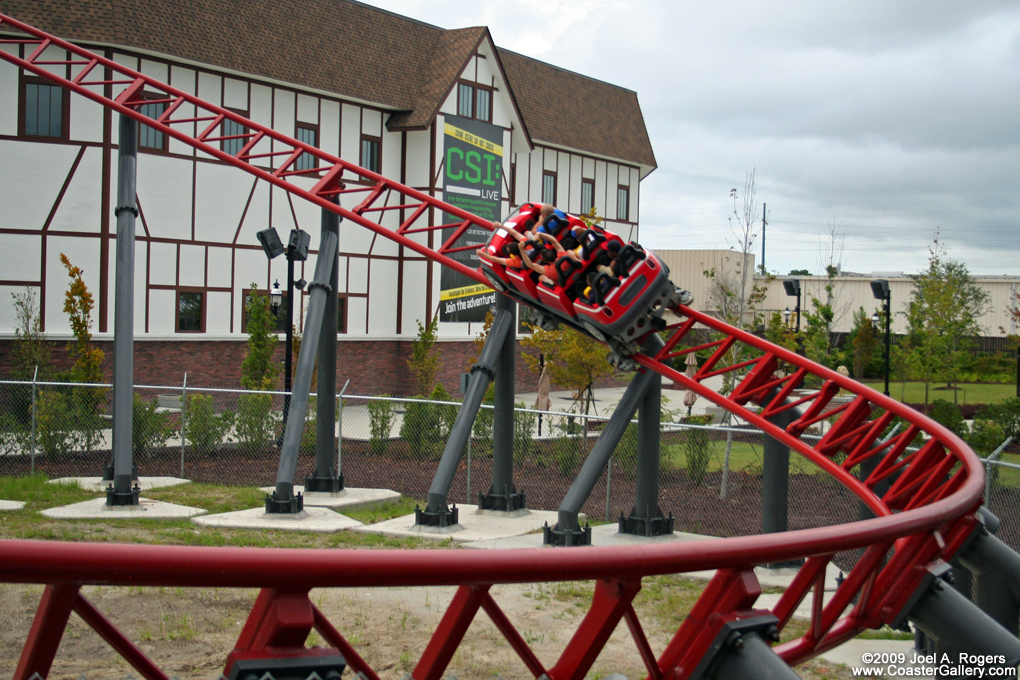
column 546, row 271
column 598, row 287
column 547, row 214
column 514, row 260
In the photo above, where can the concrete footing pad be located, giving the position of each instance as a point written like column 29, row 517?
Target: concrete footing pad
column 97, row 483
column 97, row 508
column 320, row 520
column 477, row 525
column 348, row 499
column 11, row 505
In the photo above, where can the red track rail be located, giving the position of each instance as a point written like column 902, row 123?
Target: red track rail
column 923, row 517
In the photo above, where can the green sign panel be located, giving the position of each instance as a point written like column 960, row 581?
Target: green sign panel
column 472, row 181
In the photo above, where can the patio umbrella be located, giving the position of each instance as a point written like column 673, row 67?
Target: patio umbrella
column 690, row 396
column 542, row 401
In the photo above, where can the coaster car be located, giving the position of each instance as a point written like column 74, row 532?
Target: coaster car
column 615, row 291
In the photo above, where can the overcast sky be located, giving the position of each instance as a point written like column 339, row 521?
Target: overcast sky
column 882, row 120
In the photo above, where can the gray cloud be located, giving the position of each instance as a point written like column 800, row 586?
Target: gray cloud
column 892, row 119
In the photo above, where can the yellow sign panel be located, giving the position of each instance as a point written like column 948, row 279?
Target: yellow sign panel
column 454, row 293
column 474, row 140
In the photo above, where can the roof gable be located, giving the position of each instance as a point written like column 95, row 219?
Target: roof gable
column 358, row 52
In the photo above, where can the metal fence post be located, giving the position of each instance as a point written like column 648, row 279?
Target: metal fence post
column 468, row 500
column 184, row 418
column 35, row 376
column 340, row 424
column 989, row 462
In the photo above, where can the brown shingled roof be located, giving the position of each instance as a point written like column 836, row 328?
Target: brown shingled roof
column 578, row 112
column 355, row 51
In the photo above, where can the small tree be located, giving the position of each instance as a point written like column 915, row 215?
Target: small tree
column 573, row 360
column 864, row 340
column 78, row 304
column 88, row 362
column 258, row 370
column 424, row 362
column 30, row 348
column 943, row 314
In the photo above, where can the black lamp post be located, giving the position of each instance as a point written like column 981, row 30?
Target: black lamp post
column 792, row 287
column 297, row 249
column 880, row 289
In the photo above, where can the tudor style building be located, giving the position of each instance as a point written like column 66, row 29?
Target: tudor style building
column 392, row 94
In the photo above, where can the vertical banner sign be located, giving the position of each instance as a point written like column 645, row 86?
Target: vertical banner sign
column 473, row 163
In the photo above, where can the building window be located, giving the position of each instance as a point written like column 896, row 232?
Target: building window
column 465, row 100
column 370, row 153
column 309, row 134
column 341, row 313
column 623, row 203
column 587, row 195
column 190, row 311
column 513, row 184
column 44, row 109
column 474, row 101
column 150, row 137
column 483, row 107
column 236, row 132
column 549, row 187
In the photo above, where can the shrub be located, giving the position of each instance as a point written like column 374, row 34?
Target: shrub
column 419, row 426
column 948, row 414
column 524, row 426
column 380, row 418
column 15, row 438
column 697, row 449
column 1006, row 413
column 204, row 429
column 255, row 423
column 52, row 422
column 150, row 428
column 568, row 453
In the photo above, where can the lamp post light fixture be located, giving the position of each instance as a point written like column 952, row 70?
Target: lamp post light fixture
column 296, row 249
column 786, row 317
column 792, row 287
column 275, row 297
column 880, row 289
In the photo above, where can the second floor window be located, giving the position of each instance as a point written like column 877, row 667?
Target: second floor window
column 623, row 203
column 234, row 130
column 370, row 153
column 44, row 112
column 309, row 135
column 587, row 195
column 150, row 137
column 474, row 101
column 465, row 100
column 549, row 187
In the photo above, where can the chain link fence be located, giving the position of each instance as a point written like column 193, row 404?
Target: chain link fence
column 710, row 476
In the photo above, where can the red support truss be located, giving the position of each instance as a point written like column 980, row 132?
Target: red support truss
column 924, row 516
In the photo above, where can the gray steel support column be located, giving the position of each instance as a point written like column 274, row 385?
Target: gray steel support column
column 568, row 529
column 121, row 492
column 775, row 479
column 436, row 512
column 502, row 492
column 749, row 657
column 324, row 477
column 646, row 518
column 283, row 499
column 958, row 626
column 996, row 569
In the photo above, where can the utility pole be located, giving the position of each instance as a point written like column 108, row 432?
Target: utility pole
column 764, row 209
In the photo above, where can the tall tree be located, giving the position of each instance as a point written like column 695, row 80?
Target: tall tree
column 258, row 370
column 943, row 314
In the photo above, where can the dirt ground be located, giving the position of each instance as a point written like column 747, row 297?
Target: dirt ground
column 189, row 632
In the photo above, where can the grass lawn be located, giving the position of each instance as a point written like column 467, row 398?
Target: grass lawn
column 966, row 393
column 38, row 494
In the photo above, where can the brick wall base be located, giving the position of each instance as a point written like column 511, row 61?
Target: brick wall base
column 373, row 366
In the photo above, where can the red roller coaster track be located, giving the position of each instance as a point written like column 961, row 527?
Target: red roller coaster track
column 923, row 516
